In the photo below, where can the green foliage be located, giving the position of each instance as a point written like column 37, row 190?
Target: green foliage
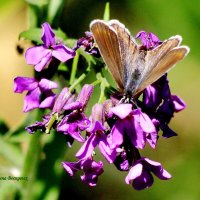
column 34, row 34
column 106, row 15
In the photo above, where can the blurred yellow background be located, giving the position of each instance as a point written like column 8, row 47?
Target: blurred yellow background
column 12, row 22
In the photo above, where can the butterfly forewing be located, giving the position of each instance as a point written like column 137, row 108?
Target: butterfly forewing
column 107, row 41
column 132, row 58
column 165, row 64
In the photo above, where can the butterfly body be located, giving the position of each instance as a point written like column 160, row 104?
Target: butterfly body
column 133, row 67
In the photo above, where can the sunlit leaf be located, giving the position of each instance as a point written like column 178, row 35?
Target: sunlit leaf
column 106, row 15
column 11, row 152
column 37, row 2
column 34, row 34
column 54, row 8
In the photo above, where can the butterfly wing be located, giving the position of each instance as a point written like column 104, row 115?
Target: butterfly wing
column 106, row 38
column 161, row 59
column 134, row 69
column 131, row 58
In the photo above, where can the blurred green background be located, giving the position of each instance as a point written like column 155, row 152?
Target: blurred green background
column 179, row 155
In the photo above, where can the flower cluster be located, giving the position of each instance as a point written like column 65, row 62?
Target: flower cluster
column 118, row 130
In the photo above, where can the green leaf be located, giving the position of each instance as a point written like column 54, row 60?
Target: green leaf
column 38, row 3
column 11, row 152
column 106, row 15
column 89, row 58
column 62, row 67
column 70, row 42
column 54, row 9
column 60, row 34
column 32, row 16
column 34, row 34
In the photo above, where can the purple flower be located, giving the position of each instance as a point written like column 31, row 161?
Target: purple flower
column 97, row 137
column 135, row 125
column 140, row 175
column 92, row 170
column 76, row 121
column 39, row 125
column 149, row 40
column 49, row 120
column 88, row 44
column 35, row 89
column 123, row 160
column 41, row 55
column 160, row 104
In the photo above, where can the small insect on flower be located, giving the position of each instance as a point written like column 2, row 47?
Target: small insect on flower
column 132, row 67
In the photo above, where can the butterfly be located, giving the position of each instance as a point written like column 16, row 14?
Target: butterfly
column 132, row 67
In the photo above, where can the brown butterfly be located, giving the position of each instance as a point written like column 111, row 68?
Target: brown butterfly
column 132, row 68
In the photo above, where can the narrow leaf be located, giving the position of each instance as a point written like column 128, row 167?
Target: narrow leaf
column 54, row 9
column 106, row 15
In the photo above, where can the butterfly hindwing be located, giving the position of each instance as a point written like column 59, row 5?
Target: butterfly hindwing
column 106, row 38
column 161, row 60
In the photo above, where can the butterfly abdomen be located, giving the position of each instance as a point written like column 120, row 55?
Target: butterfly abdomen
column 133, row 74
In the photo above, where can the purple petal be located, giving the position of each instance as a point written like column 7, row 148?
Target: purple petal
column 71, row 167
column 38, row 56
column 44, row 61
column 152, row 139
column 74, row 132
column 24, row 83
column 37, row 126
column 48, row 102
column 97, row 114
column 62, row 99
column 145, row 122
column 134, row 173
column 152, row 97
column 31, row 100
column 167, row 132
column 62, row 53
column 115, row 138
column 143, row 36
column 46, row 84
column 104, row 148
column 92, row 170
column 179, row 104
column 87, row 148
column 135, row 132
column 143, row 181
column 84, row 123
column 157, row 169
column 122, row 110
column 154, row 38
column 48, row 36
column 96, row 126
column 73, row 106
column 85, row 94
column 63, row 125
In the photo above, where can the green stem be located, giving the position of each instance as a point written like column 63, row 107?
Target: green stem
column 74, row 68
column 81, row 78
column 103, row 85
column 30, row 166
column 106, row 15
column 96, row 82
column 50, row 123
